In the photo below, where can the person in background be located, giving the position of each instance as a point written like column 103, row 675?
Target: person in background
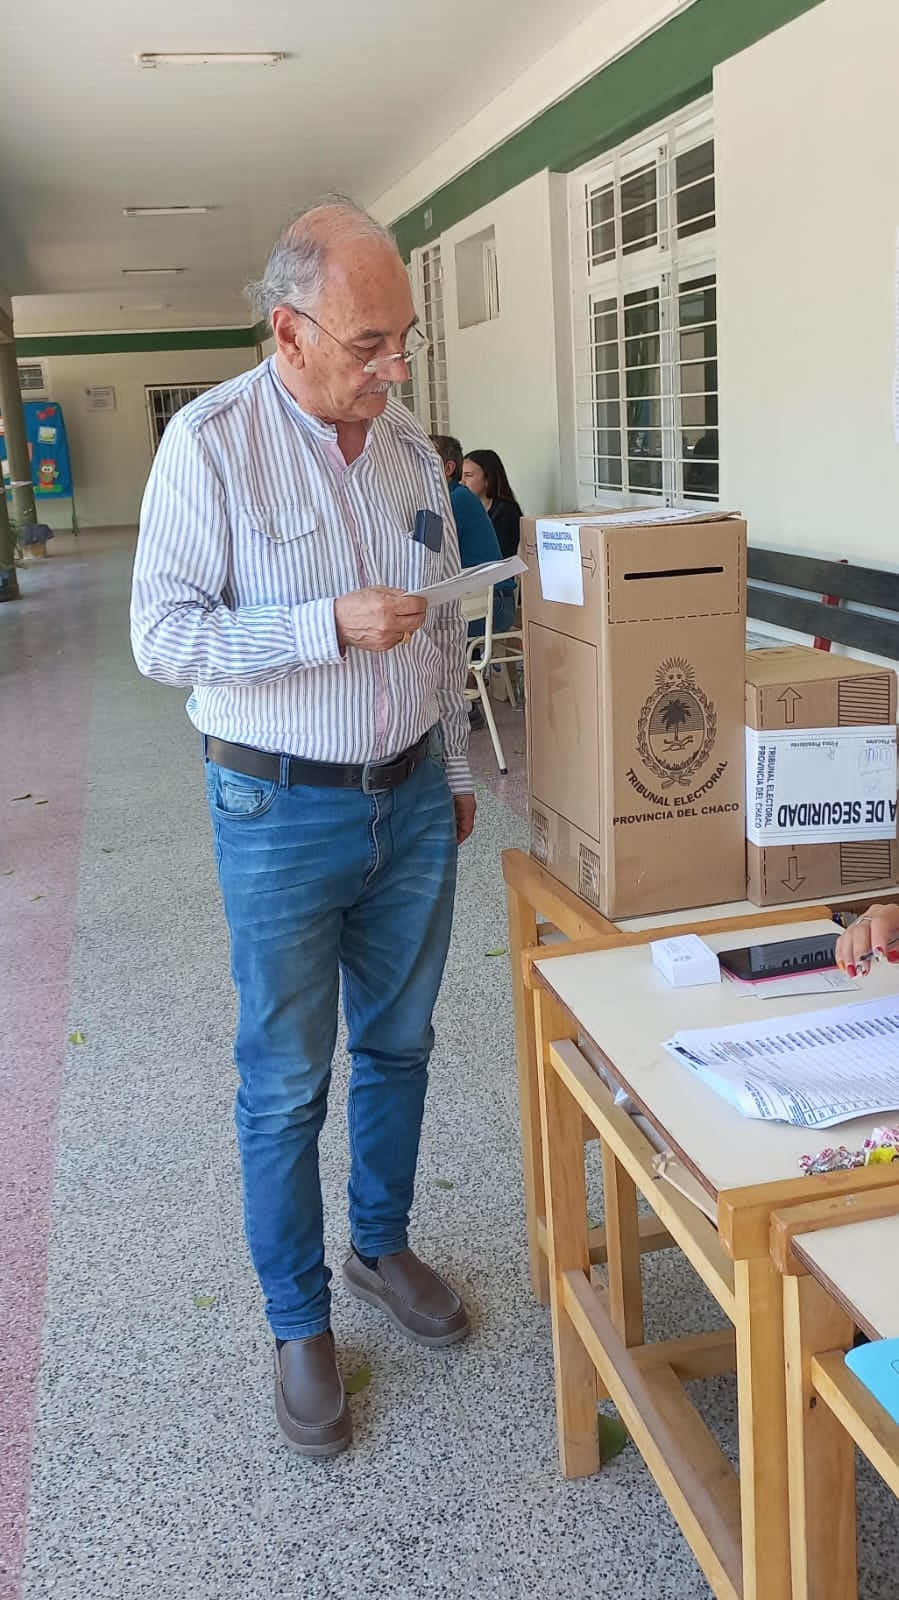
column 477, row 536
column 484, row 474
column 477, row 542
column 873, row 936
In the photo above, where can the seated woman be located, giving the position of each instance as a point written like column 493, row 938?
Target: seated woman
column 477, row 537
column 873, row 937
column 484, row 474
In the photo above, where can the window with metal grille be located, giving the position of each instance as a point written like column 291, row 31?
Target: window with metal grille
column 32, row 379
column 645, row 316
column 429, row 391
column 162, row 403
column 406, row 392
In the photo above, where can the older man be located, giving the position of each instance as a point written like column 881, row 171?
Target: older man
column 290, row 516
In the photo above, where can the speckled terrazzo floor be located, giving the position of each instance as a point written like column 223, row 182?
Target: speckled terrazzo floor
column 142, row 1459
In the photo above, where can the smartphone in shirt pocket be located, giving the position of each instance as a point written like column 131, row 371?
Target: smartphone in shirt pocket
column 428, row 531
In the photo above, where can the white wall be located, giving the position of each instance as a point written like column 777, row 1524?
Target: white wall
column 807, row 156
column 110, row 450
column 613, row 28
column 503, row 381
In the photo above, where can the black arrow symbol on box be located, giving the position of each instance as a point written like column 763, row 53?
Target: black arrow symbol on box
column 792, row 881
column 590, row 563
column 789, row 700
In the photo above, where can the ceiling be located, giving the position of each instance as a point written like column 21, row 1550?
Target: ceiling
column 368, row 90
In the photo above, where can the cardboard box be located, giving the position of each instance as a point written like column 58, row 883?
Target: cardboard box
column 821, row 789
column 634, row 687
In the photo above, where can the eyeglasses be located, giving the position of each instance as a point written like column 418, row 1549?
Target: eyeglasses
column 416, row 342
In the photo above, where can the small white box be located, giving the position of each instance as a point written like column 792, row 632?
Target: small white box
column 686, row 961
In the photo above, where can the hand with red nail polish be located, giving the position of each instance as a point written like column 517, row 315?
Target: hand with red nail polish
column 874, row 934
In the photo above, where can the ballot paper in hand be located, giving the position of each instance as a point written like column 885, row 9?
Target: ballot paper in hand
column 812, row 1069
column 472, row 580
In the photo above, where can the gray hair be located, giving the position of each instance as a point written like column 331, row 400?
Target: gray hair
column 295, row 272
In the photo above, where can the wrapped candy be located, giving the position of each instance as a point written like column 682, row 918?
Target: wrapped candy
column 881, row 1146
column 830, row 1160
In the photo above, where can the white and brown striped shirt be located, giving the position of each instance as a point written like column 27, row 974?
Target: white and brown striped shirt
column 251, row 526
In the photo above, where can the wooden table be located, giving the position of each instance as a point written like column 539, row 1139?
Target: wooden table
column 542, row 911
column 620, row 1008
column 839, row 1264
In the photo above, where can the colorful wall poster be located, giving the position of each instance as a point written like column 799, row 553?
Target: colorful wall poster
column 48, row 448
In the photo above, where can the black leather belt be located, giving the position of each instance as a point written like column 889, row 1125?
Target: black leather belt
column 372, row 777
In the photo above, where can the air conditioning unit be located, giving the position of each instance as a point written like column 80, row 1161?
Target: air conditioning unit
column 32, row 379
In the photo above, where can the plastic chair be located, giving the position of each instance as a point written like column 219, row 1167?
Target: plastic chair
column 508, row 651
column 479, row 608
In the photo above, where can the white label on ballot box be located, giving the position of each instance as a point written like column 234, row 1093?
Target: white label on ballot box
column 820, row 785
column 559, row 560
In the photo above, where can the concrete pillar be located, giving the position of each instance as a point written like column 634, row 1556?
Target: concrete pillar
column 16, row 443
column 9, row 583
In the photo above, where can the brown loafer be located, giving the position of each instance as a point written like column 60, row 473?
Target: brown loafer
column 417, row 1302
column 310, row 1400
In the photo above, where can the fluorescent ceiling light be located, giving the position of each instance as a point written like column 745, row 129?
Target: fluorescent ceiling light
column 166, row 211
column 210, row 58
column 152, row 272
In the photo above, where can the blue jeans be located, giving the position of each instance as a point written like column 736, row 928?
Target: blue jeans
column 319, row 883
column 503, row 614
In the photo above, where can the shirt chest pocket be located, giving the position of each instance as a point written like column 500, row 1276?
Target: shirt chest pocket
column 409, row 564
column 282, row 555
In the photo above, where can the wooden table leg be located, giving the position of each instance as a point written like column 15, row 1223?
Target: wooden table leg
column 622, row 1249
column 763, row 1435
column 820, row 1453
column 523, row 936
column 566, row 1231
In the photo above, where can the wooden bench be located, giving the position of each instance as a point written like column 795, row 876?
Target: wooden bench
column 814, row 605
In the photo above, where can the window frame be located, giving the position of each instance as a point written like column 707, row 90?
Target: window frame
column 668, row 264
column 428, row 384
column 192, row 390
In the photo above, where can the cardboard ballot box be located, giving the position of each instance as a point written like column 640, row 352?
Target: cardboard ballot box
column 820, row 775
column 634, row 628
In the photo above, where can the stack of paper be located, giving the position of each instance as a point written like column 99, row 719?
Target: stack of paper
column 813, row 1069
column 472, row 580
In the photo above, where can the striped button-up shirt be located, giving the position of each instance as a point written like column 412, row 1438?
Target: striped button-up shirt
column 251, row 525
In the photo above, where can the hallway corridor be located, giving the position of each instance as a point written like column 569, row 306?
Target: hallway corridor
column 140, row 1458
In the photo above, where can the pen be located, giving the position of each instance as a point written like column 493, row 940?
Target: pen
column 872, row 955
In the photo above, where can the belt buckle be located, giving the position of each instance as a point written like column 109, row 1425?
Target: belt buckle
column 374, row 770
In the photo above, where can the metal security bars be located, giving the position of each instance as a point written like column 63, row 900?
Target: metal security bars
column 645, row 338
column 163, row 402
column 32, row 379
column 427, row 391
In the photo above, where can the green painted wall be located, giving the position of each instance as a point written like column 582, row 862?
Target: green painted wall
column 664, row 72
column 97, row 344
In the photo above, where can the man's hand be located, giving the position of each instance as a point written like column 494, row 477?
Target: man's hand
column 465, row 806
column 377, row 618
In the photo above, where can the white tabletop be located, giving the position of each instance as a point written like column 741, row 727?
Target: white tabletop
column 857, row 1263
column 626, row 1009
column 742, row 908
